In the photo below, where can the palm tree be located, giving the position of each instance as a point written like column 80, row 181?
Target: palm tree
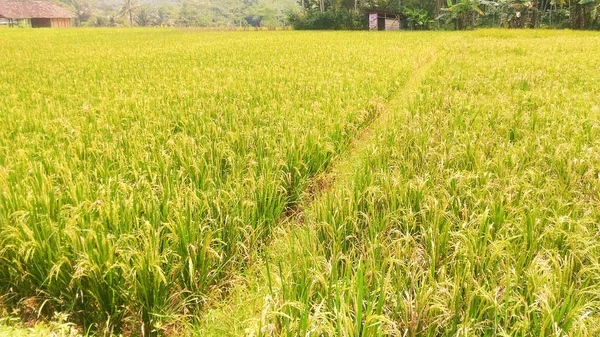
column 82, row 9
column 128, row 8
column 143, row 16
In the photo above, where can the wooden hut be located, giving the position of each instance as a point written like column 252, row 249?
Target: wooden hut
column 39, row 13
column 385, row 20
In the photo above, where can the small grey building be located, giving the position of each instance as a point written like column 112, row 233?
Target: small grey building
column 385, row 20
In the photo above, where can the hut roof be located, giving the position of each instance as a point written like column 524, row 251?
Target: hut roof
column 32, row 9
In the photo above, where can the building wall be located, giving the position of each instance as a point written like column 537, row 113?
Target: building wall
column 50, row 23
column 61, row 23
column 40, row 23
column 392, row 24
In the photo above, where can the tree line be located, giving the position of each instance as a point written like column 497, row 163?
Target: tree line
column 450, row 14
column 337, row 14
column 180, row 13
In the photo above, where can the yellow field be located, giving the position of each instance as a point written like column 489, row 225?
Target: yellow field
column 301, row 183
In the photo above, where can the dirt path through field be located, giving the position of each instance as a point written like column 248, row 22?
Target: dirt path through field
column 247, row 306
column 342, row 165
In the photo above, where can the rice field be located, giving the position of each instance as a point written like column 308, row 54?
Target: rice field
column 166, row 182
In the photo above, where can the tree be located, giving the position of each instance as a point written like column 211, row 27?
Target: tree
column 462, row 13
column 143, row 16
column 162, row 16
column 128, row 9
column 584, row 14
column 186, row 14
column 82, row 8
column 418, row 18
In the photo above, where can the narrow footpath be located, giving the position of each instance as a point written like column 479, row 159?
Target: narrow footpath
column 242, row 314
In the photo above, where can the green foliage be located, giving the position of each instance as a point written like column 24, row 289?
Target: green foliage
column 82, row 10
column 418, row 19
column 59, row 327
column 143, row 17
column 463, row 13
column 330, row 20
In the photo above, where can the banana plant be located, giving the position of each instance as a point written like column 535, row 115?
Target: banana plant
column 417, row 18
column 463, row 13
column 585, row 14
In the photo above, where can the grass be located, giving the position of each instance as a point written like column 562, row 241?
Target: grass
column 138, row 177
column 471, row 211
column 58, row 327
column 301, row 183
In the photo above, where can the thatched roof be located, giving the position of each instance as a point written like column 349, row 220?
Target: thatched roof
column 32, row 9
